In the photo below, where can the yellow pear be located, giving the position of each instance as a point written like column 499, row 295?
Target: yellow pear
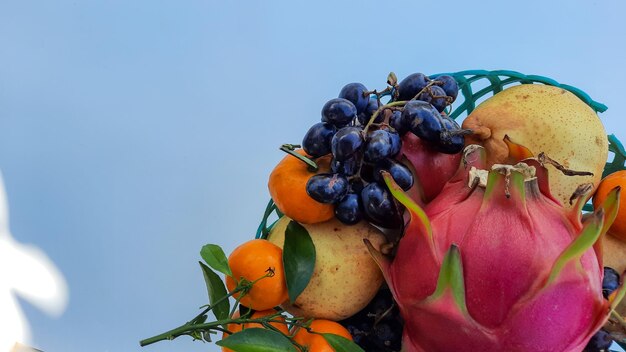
column 543, row 119
column 345, row 277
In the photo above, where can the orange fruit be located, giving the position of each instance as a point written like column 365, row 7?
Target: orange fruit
column 234, row 328
column 316, row 342
column 287, row 186
column 618, row 178
column 251, row 261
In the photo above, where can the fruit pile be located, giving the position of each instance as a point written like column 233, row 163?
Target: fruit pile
column 399, row 229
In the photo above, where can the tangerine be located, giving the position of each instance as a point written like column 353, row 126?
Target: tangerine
column 261, row 261
column 234, row 328
column 287, row 186
column 313, row 341
column 615, row 179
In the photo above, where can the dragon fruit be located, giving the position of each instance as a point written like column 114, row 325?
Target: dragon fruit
column 496, row 263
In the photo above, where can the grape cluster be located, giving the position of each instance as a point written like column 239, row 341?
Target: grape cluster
column 378, row 327
column 364, row 136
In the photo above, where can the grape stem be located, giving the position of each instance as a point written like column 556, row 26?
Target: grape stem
column 193, row 326
column 379, row 110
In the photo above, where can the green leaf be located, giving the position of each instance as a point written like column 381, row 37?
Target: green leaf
column 215, row 257
column 298, row 259
column 342, row 344
column 217, row 293
column 257, row 340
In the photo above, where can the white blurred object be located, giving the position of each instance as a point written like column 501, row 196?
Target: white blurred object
column 26, row 271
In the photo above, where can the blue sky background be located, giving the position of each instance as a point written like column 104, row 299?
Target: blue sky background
column 134, row 132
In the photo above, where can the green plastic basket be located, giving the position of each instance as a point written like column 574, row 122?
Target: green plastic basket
column 478, row 85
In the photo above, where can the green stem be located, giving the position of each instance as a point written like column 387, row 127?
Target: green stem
column 189, row 326
column 290, row 149
column 215, row 325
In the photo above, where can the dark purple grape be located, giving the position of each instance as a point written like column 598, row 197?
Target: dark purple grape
column 338, row 112
column 400, row 173
column 600, row 341
column 396, row 143
column 397, row 123
column 372, row 106
column 355, row 92
column 316, row 141
column 449, row 85
column 348, row 210
column 610, row 281
column 436, row 96
column 411, row 85
column 346, row 142
column 327, row 188
column 423, row 120
column 380, row 206
column 347, row 167
column 378, row 146
column 452, row 141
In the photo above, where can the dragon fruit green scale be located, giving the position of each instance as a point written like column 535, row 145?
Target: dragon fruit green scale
column 495, row 263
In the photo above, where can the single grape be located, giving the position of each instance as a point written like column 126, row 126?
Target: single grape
column 339, row 112
column 348, row 210
column 400, row 173
column 610, row 281
column 449, row 85
column 355, row 92
column 397, row 123
column 327, row 188
column 423, row 120
column 396, row 143
column 372, row 106
column 380, row 206
column 346, row 142
column 411, row 85
column 600, row 341
column 316, row 141
column 378, row 146
column 452, row 140
column 436, row 96
column 348, row 167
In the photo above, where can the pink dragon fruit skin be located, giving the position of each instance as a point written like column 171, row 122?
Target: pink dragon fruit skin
column 427, row 161
column 500, row 268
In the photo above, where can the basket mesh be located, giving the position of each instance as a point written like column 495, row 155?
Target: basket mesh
column 486, row 84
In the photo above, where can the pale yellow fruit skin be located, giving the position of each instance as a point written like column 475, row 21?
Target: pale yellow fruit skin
column 345, row 277
column 543, row 119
